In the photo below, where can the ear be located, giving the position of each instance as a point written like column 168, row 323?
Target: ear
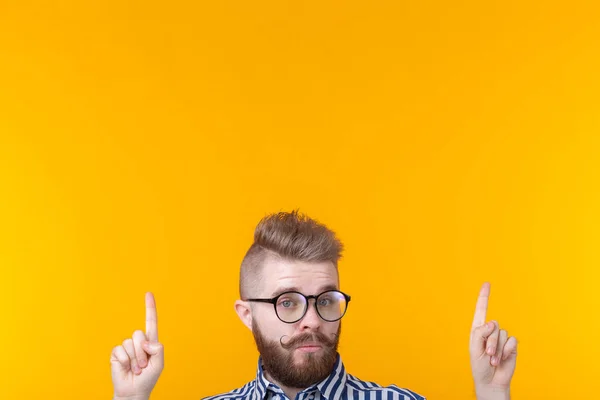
column 243, row 310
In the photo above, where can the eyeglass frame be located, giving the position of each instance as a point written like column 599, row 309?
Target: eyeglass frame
column 273, row 301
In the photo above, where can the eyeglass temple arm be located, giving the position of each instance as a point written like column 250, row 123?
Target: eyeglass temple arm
column 271, row 301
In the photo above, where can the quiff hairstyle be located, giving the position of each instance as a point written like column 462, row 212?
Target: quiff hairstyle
column 290, row 236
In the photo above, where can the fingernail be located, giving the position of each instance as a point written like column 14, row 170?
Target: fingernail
column 491, row 350
column 494, row 360
column 136, row 369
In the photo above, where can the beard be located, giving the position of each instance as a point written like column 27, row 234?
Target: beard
column 278, row 358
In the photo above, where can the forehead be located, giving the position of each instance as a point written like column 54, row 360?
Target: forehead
column 306, row 277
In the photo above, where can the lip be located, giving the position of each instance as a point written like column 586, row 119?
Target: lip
column 310, row 347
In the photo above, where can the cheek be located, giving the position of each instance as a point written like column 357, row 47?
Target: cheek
column 271, row 327
column 331, row 328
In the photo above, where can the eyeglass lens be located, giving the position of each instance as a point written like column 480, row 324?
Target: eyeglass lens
column 291, row 307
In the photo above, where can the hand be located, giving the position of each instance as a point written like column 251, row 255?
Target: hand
column 493, row 353
column 137, row 363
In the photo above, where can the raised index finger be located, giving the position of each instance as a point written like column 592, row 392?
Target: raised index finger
column 151, row 321
column 482, row 306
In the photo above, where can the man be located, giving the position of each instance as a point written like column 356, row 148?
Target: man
column 292, row 303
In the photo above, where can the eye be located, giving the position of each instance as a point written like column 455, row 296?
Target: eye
column 325, row 302
column 286, row 303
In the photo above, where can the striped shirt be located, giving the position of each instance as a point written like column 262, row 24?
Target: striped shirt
column 339, row 385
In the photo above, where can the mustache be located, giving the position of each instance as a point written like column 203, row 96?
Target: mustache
column 315, row 337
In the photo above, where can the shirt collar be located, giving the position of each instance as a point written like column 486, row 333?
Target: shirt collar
column 330, row 387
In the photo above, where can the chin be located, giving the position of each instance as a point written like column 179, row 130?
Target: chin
column 302, row 357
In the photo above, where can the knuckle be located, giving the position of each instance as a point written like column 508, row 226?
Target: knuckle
column 117, row 353
column 142, row 356
column 480, row 329
column 138, row 340
column 479, row 332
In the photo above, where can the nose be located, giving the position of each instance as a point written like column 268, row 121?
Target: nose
column 311, row 319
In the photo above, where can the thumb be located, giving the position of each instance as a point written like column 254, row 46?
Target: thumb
column 153, row 348
column 479, row 336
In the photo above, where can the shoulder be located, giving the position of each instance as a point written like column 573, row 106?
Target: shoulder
column 241, row 393
column 364, row 390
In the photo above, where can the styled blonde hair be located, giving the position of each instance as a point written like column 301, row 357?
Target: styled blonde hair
column 290, row 236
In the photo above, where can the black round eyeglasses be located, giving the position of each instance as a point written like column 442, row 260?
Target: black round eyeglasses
column 291, row 306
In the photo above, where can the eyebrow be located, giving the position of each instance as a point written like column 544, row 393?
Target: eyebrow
column 322, row 289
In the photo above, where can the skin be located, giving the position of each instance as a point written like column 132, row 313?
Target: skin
column 137, row 363
column 493, row 353
column 279, row 276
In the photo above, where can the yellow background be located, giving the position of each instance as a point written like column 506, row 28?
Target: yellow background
column 448, row 143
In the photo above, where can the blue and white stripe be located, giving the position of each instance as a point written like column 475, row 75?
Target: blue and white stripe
column 337, row 386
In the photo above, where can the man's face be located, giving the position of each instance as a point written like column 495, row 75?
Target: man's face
column 302, row 353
